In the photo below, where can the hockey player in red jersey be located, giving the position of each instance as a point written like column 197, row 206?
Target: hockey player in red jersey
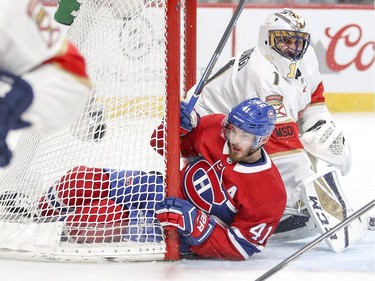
column 231, row 199
column 283, row 70
column 43, row 77
column 232, row 196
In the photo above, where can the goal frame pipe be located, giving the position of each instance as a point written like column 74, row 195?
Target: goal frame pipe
column 207, row 72
column 173, row 88
column 313, row 243
column 190, row 45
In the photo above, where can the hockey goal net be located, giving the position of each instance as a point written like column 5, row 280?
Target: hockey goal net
column 135, row 57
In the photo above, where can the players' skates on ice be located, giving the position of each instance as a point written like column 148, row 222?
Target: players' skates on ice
column 17, row 203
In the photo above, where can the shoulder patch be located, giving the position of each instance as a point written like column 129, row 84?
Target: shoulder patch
column 277, row 102
column 274, row 98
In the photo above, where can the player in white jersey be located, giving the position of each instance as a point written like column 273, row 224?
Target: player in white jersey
column 283, row 71
column 43, row 79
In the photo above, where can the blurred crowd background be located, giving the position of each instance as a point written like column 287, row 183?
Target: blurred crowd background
column 275, row 2
column 291, row 2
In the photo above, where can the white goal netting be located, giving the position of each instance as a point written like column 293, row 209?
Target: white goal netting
column 87, row 192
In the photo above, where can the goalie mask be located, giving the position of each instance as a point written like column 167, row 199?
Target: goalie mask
column 283, row 40
column 249, row 123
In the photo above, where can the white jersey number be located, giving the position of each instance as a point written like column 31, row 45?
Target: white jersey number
column 258, row 231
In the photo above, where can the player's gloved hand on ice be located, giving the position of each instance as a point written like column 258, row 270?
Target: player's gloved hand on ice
column 187, row 121
column 190, row 221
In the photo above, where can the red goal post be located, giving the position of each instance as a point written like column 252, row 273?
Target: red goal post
column 141, row 59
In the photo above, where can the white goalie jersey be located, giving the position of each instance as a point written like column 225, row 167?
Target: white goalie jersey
column 251, row 75
column 29, row 37
column 35, row 49
column 304, row 132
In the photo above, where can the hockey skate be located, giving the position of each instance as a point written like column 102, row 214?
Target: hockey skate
column 295, row 224
column 142, row 227
column 17, row 203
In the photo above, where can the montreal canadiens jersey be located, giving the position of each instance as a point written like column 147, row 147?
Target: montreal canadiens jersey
column 246, row 200
column 250, row 75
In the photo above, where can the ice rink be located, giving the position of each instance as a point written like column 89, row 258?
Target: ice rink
column 356, row 263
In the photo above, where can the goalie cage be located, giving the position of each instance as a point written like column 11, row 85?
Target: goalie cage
column 136, row 57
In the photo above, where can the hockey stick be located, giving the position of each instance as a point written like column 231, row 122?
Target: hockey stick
column 297, row 254
column 214, row 58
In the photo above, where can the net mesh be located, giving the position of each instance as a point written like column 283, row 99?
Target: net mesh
column 89, row 191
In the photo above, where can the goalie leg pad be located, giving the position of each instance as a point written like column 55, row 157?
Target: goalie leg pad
column 328, row 206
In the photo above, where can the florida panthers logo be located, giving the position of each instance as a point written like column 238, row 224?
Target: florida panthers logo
column 203, row 187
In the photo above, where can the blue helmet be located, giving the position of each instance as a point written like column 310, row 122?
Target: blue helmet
column 253, row 116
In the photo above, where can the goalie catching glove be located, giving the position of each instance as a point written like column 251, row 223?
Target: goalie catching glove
column 194, row 224
column 188, row 121
column 325, row 141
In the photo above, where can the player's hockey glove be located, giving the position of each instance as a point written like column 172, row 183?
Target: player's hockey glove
column 16, row 96
column 194, row 224
column 188, row 121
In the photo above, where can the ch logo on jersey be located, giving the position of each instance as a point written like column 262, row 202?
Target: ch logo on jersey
column 202, row 185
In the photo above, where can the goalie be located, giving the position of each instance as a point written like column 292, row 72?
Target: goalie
column 283, row 71
column 230, row 201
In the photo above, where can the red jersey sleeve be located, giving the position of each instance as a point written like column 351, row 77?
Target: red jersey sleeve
column 70, row 60
column 317, row 96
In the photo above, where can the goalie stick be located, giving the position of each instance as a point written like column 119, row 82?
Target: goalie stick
column 313, row 243
column 215, row 56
